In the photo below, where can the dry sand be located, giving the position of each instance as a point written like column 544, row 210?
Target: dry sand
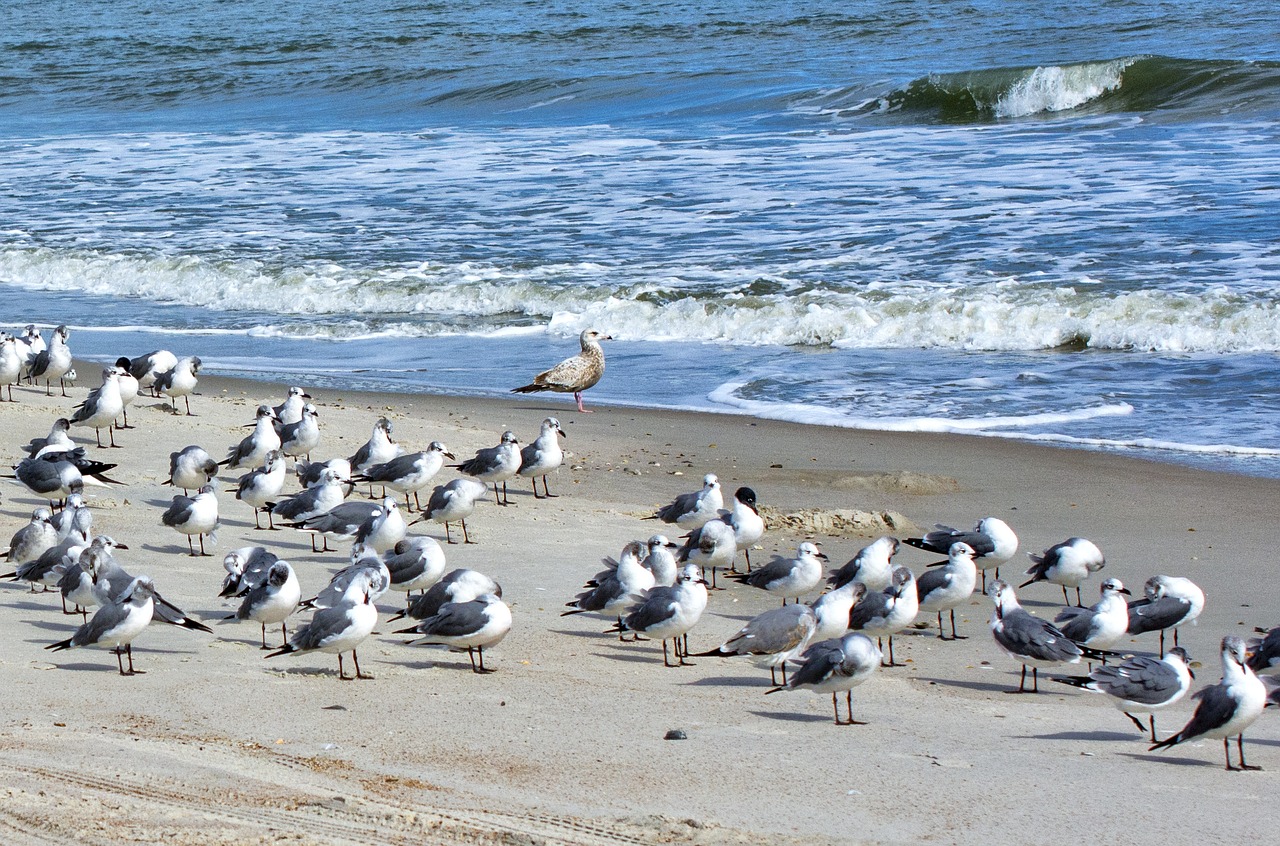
column 564, row 744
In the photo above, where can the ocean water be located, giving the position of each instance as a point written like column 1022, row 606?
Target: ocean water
column 1033, row 220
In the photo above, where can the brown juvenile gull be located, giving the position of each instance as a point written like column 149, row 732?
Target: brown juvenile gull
column 573, row 375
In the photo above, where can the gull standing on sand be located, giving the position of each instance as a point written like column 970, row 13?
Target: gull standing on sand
column 1170, row 602
column 51, row 476
column 338, row 629
column 54, row 362
column 833, row 666
column 660, row 560
column 194, row 515
column 889, row 611
column 379, row 449
column 408, row 474
column 947, row 587
column 117, row 623
column 260, row 488
column 454, row 503
column 311, row 502
column 252, row 450
column 298, row 439
column 1067, row 564
column 992, row 541
column 617, row 586
column 785, row 577
column 150, row 367
column 101, row 407
column 180, row 382
column 246, row 567
column 311, row 473
column 495, row 464
column 543, row 456
column 771, row 639
column 832, row 610
column 573, row 375
column 1103, row 624
column 873, row 566
column 483, row 621
column 1027, row 639
column 341, row 522
column 1141, row 684
column 128, row 390
column 29, row 542
column 711, row 546
column 272, row 601
column 191, row 469
column 744, row 517
column 56, row 441
column 416, row 563
column 366, row 567
column 383, row 529
column 1226, row 708
column 694, row 510
column 460, row 585
column 668, row 613
column 10, row 365
column 290, row 411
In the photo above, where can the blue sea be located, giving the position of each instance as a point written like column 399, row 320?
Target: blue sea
column 1033, row 220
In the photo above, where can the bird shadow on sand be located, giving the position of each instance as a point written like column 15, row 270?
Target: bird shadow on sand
column 29, row 605
column 591, row 634
column 1168, row 759
column 791, row 716
column 647, row 658
column 1124, row 737
column 991, row 687
column 87, row 667
column 67, row 626
column 727, row 681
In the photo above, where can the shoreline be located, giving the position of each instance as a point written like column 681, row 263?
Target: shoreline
column 565, row 741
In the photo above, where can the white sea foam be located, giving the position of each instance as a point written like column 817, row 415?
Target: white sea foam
column 1057, row 88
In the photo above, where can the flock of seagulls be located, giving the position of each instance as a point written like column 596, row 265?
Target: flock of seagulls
column 655, row 589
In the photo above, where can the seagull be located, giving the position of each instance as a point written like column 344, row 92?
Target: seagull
column 272, row 601
column 50, row 476
column 788, row 576
column 410, row 473
column 835, row 665
column 298, row 439
column 873, row 565
column 310, row 473
column 180, row 381
column 771, row 639
column 54, row 362
column 379, row 449
column 1226, row 708
column 1027, row 639
column 454, row 502
column 483, row 621
column 945, row 588
column 617, row 586
column 416, row 563
column 1141, row 684
column 660, row 560
column 338, row 629
column 710, row 546
column 148, row 368
column 246, row 567
column 383, row 529
column 101, row 407
column 992, row 541
column 311, row 502
column 573, row 375
column 117, row 623
column 542, row 456
column 58, row 440
column 1067, row 564
column 342, row 521
column 1264, row 652
column 290, row 411
column 460, row 585
column 29, row 542
column 76, row 582
column 191, row 469
column 744, row 518
column 832, row 610
column 260, row 488
column 128, row 390
column 694, row 510
column 495, row 464
column 1102, row 625
column 75, row 517
column 47, row 568
column 668, row 613
column 1169, row 602
column 253, row 449
column 889, row 611
column 365, row 568
column 10, row 364
column 194, row 515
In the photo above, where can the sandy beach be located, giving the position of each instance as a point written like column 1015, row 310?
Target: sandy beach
column 565, row 742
